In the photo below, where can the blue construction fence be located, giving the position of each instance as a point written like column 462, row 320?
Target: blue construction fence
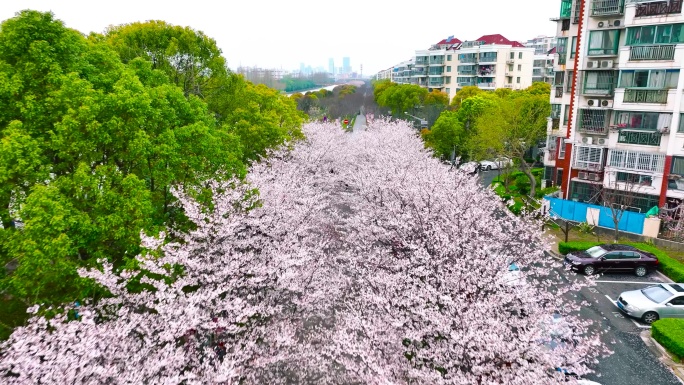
column 577, row 211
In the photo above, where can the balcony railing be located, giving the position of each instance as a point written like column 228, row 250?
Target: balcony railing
column 487, row 73
column 593, row 122
column 598, row 89
column 487, row 59
column 651, row 52
column 555, row 123
column 468, row 59
column 607, row 7
column 635, row 95
column 486, row 85
column 659, row 8
column 639, row 137
column 437, row 61
column 436, row 83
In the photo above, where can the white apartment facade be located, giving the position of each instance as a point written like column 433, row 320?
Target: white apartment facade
column 618, row 124
column 490, row 62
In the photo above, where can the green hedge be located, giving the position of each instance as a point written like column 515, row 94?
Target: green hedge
column 669, row 332
column 668, row 265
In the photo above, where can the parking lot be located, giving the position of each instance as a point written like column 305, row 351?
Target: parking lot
column 631, row 363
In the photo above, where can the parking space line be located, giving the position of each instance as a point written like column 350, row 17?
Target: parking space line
column 632, row 282
column 633, row 321
column 640, row 325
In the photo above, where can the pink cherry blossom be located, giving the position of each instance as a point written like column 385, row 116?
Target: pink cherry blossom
column 341, row 259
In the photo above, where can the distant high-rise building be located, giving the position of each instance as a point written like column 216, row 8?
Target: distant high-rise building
column 346, row 66
column 331, row 66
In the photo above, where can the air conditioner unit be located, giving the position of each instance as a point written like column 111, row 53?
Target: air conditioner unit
column 602, row 141
column 583, row 175
column 601, row 24
column 594, row 102
column 593, row 64
column 587, row 140
column 595, row 177
column 617, row 22
column 606, row 64
column 607, row 103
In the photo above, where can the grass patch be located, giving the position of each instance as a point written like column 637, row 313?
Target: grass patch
column 669, row 332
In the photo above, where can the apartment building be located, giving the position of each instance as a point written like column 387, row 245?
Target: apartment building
column 616, row 121
column 490, row 62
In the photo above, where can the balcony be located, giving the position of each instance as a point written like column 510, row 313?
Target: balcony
column 438, row 61
column 436, row 82
column 635, row 95
column 658, row 8
column 486, row 85
column 487, row 58
column 421, row 61
column 607, row 7
column 593, row 122
column 651, row 52
column 467, row 59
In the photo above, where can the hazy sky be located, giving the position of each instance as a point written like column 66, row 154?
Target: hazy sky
column 285, row 33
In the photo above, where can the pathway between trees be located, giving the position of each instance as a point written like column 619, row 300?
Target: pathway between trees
column 360, row 122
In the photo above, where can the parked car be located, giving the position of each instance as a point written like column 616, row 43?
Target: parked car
column 611, row 258
column 650, row 304
column 471, row 168
column 496, row 164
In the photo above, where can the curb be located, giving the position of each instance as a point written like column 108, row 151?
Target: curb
column 663, row 356
column 555, row 255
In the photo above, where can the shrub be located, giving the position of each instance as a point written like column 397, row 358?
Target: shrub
column 522, row 182
column 668, row 265
column 567, row 247
column 669, row 332
column 545, row 191
column 585, row 228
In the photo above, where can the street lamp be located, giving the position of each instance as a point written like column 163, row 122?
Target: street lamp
column 423, row 122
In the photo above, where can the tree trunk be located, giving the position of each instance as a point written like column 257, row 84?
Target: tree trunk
column 526, row 170
column 617, row 232
column 5, row 217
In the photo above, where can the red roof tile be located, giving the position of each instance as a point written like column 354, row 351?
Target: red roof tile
column 452, row 41
column 498, row 39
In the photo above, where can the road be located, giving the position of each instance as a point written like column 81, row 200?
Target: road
column 632, row 363
column 360, row 122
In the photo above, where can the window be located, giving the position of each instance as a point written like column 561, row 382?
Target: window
column 561, row 150
column 571, row 79
column 519, row 67
column 555, row 111
column 566, row 114
column 448, row 68
column 449, row 57
column 562, row 49
column 678, row 301
column 573, row 47
column 603, row 42
column 640, row 179
column 558, row 78
column 584, row 192
column 599, row 82
column 512, row 55
column 660, row 78
column 447, row 79
column 677, row 166
column 681, row 123
column 588, row 158
column 646, row 121
column 519, row 55
column 448, row 90
column 517, row 80
column 655, row 34
column 559, row 174
column 637, row 161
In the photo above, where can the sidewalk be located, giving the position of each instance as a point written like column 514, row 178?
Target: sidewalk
column 662, row 354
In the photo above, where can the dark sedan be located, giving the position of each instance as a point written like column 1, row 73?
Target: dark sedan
column 611, row 258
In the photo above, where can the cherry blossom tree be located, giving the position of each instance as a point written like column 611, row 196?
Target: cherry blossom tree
column 342, row 259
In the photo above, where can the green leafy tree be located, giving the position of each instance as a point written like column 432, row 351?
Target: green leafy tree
column 446, row 135
column 465, row 93
column 188, row 57
column 402, row 98
column 90, row 150
column 511, row 128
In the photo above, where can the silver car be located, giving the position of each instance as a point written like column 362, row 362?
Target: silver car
column 665, row 300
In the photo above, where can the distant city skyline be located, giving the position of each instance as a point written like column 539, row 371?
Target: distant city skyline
column 281, row 35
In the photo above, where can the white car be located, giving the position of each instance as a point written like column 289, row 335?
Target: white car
column 496, row 164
